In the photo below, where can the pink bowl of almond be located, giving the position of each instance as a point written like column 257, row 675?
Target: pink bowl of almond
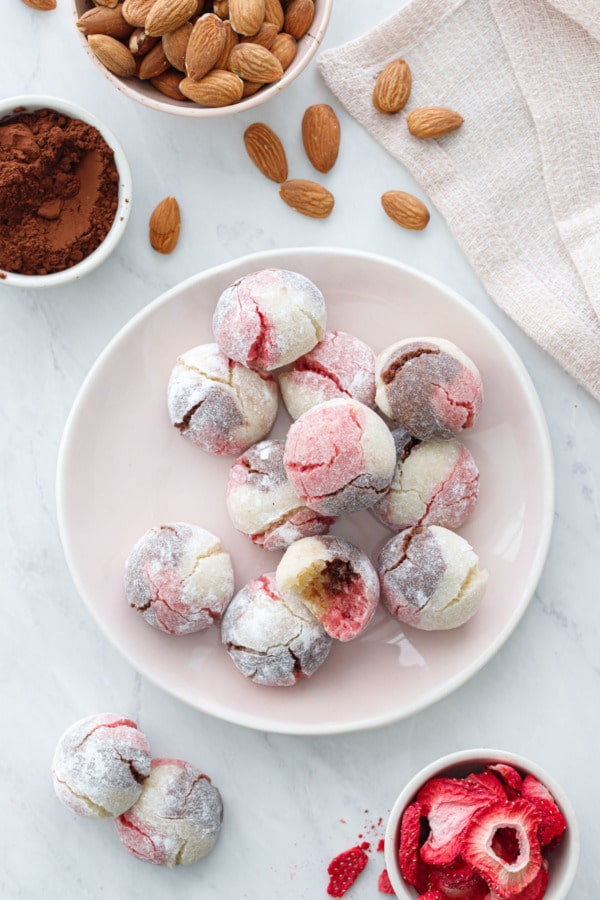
column 201, row 58
column 482, row 825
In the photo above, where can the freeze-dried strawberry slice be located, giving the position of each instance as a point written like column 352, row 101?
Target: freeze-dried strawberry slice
column 458, row 881
column 408, row 852
column 511, row 779
column 344, row 870
column 504, row 877
column 431, row 895
column 487, row 781
column 449, row 804
column 533, row 891
column 384, row 885
column 553, row 822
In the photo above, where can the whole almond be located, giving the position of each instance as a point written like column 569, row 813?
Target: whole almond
column 102, row 20
column 114, row 55
column 307, row 197
column 167, row 15
column 165, row 223
column 140, row 42
column 266, row 151
column 251, row 87
column 265, row 36
column 255, row 63
column 246, row 16
column 221, row 8
column 109, row 3
column 231, row 39
column 274, row 13
column 433, row 121
column 153, row 63
column 392, row 88
column 299, row 15
column 218, row 88
column 168, row 84
column 284, row 48
column 41, row 5
column 321, row 136
column 405, row 210
column 205, row 46
column 135, row 11
column 175, row 45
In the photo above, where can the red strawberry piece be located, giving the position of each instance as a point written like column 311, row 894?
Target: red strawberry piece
column 505, row 878
column 408, row 853
column 431, row 895
column 384, row 885
column 553, row 822
column 344, row 870
column 458, row 881
column 488, row 782
column 533, row 891
column 449, row 804
column 510, row 777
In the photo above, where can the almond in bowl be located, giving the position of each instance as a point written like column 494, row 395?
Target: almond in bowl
column 202, row 59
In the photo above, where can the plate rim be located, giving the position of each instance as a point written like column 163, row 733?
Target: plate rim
column 273, row 257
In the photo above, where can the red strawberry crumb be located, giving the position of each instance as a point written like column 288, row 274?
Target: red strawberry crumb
column 381, row 846
column 384, row 885
column 345, row 869
column 365, row 845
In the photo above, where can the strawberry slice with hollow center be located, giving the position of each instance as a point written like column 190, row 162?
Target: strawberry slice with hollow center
column 449, row 804
column 344, row 870
column 533, row 891
column 505, row 877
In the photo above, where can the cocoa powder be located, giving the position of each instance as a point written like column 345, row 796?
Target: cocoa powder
column 58, row 191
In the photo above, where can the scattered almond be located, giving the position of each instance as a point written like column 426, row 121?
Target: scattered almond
column 167, row 15
column 392, row 88
column 205, row 46
column 117, row 58
column 165, row 223
column 102, row 20
column 307, row 197
column 299, row 15
column 405, row 209
column 218, row 88
column 246, row 16
column 254, row 63
column 266, row 151
column 321, row 136
column 433, row 121
column 42, row 5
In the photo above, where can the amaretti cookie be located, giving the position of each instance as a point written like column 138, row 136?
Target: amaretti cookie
column 269, row 318
column 334, row 579
column 430, row 578
column 339, row 457
column 272, row 641
column 429, row 386
column 177, row 818
column 219, row 404
column 435, row 483
column 179, row 578
column 262, row 503
column 341, row 365
column 100, row 764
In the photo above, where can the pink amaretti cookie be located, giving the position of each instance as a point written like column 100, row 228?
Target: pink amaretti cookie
column 339, row 457
column 179, row 578
column 100, row 764
column 262, row 503
column 435, row 483
column 269, row 318
column 177, row 818
column 341, row 365
column 334, row 579
column 429, row 386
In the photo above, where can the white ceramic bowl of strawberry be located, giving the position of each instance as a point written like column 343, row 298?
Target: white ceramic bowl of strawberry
column 563, row 859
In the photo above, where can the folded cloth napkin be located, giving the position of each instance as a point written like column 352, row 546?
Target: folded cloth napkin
column 519, row 182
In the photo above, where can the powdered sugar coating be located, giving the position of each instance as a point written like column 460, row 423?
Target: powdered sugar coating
column 177, row 818
column 339, row 457
column 341, row 365
column 435, row 483
column 269, row 318
column 429, row 386
column 272, row 641
column 334, row 579
column 219, row 404
column 100, row 764
column 179, row 578
column 262, row 503
column 430, row 578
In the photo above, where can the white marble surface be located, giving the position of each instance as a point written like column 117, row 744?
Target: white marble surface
column 291, row 802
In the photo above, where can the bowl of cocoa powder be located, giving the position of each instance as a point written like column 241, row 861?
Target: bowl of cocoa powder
column 65, row 192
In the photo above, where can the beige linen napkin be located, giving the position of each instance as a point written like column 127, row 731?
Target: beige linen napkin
column 519, row 182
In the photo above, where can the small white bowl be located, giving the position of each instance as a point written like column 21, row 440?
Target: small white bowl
column 145, row 93
column 563, row 860
column 30, row 103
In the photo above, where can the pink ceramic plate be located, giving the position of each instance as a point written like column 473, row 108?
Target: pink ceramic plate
column 123, row 468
